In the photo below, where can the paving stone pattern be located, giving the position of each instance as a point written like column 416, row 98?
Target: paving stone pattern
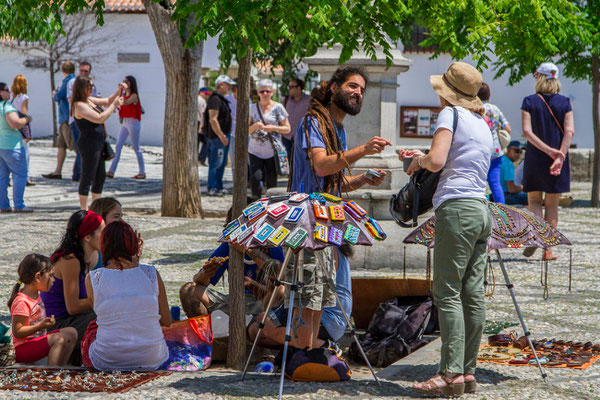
column 178, row 247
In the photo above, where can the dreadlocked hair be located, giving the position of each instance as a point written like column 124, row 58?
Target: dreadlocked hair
column 317, row 112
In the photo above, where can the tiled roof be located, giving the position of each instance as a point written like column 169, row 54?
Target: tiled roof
column 124, row 6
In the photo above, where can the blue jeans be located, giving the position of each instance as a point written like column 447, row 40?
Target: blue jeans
column 131, row 126
column 217, row 161
column 516, row 198
column 493, row 179
column 77, row 165
column 13, row 162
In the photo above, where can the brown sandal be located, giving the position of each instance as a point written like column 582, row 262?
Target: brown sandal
column 470, row 386
column 440, row 385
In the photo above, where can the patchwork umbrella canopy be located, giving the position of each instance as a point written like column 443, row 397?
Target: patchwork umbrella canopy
column 292, row 220
column 511, row 228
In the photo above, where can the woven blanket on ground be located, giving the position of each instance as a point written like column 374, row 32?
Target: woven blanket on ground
column 578, row 359
column 64, row 380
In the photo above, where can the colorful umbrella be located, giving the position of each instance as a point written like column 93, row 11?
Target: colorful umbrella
column 300, row 220
column 511, row 228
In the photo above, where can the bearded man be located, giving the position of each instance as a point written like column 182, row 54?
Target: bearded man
column 322, row 164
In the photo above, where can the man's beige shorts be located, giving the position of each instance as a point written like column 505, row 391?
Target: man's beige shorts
column 65, row 137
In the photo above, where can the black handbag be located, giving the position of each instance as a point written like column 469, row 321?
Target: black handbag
column 416, row 197
column 107, row 152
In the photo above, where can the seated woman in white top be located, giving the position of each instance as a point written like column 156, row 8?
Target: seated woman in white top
column 131, row 305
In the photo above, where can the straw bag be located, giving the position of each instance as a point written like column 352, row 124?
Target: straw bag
column 7, row 350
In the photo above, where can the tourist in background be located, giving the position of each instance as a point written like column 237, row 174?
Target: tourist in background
column 496, row 121
column 296, row 103
column 90, row 119
column 547, row 123
column 218, row 132
column 201, row 147
column 268, row 121
column 20, row 101
column 130, row 114
column 512, row 187
column 13, row 159
column 65, row 134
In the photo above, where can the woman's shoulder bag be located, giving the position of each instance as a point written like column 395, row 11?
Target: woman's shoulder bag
column 416, row 197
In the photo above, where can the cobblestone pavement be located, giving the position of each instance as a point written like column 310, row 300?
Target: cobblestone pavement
column 179, row 246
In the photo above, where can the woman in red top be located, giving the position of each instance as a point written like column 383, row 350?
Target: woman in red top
column 130, row 114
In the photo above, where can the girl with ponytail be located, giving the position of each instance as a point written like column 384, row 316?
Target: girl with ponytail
column 29, row 320
column 77, row 254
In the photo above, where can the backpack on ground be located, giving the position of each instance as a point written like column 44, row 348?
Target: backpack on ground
column 316, row 365
column 396, row 330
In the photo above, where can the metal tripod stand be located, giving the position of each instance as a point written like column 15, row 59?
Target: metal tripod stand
column 295, row 285
column 526, row 332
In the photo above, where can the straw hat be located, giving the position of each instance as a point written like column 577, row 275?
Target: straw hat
column 459, row 85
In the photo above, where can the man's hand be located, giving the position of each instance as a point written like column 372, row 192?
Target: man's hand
column 249, row 283
column 209, row 269
column 224, row 140
column 375, row 181
column 375, row 145
column 239, row 247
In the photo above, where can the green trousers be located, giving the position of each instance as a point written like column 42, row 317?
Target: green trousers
column 462, row 230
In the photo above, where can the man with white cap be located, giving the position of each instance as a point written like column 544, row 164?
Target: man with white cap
column 218, row 131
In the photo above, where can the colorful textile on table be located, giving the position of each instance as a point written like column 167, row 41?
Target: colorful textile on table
column 55, row 380
column 189, row 344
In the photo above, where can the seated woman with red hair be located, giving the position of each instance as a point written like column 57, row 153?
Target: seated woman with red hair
column 131, row 305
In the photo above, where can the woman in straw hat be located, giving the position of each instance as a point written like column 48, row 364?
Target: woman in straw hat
column 547, row 123
column 463, row 225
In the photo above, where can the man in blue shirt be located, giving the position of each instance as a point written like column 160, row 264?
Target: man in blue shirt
column 513, row 193
column 321, row 157
column 199, row 297
column 65, row 136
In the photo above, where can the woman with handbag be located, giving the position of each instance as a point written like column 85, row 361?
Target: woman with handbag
column 268, row 121
column 131, row 304
column 90, row 119
column 13, row 158
column 547, row 123
column 497, row 122
column 462, row 228
column 130, row 114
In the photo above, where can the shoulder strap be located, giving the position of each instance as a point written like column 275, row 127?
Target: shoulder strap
column 454, row 120
column 551, row 113
column 260, row 113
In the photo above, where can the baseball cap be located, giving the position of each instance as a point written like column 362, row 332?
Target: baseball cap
column 516, row 143
column 204, row 90
column 224, row 79
column 548, row 69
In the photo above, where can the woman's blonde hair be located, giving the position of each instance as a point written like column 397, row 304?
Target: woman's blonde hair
column 19, row 85
column 550, row 86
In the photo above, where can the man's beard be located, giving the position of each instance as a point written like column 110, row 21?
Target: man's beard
column 343, row 100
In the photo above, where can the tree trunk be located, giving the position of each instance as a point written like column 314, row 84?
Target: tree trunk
column 596, row 119
column 52, row 102
column 181, row 185
column 236, row 351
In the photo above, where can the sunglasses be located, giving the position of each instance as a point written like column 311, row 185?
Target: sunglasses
column 518, row 151
column 87, row 71
column 292, row 86
column 265, row 91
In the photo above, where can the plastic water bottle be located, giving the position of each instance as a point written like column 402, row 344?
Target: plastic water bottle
column 175, row 313
column 264, row 367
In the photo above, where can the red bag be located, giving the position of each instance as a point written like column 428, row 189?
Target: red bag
column 189, row 343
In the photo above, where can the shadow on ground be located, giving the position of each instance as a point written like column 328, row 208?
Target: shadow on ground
column 259, row 387
column 408, row 374
column 176, row 258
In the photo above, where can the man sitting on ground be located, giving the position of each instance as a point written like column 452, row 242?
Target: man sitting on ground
column 198, row 298
column 513, row 193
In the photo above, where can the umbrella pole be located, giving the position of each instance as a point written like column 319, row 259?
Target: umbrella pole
column 262, row 323
column 331, row 285
column 526, row 332
column 299, row 264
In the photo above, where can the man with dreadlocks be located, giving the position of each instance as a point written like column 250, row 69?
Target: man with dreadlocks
column 321, row 163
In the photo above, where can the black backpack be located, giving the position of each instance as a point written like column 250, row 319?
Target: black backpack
column 419, row 190
column 396, row 330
